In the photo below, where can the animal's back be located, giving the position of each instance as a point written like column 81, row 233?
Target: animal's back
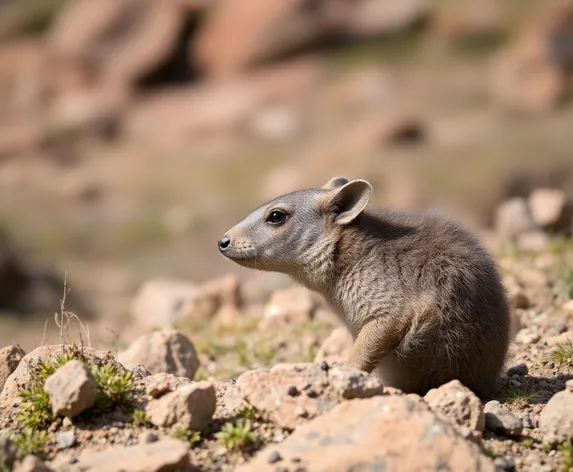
column 426, row 268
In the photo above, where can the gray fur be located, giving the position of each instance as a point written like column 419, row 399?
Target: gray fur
column 420, row 295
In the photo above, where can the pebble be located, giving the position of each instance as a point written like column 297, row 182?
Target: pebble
column 324, row 366
column 299, row 411
column 504, row 464
column 274, row 457
column 515, row 383
column 66, row 439
column 569, row 385
column 148, row 436
column 310, row 392
column 560, row 328
column 519, row 369
column 291, row 390
column 528, row 422
column 67, row 422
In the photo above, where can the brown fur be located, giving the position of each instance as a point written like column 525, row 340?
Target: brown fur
column 420, row 295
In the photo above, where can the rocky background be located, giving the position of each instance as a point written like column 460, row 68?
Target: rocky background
column 134, row 133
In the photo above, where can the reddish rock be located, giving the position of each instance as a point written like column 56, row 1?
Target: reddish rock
column 291, row 394
column 380, row 433
column 336, row 348
column 122, row 39
column 10, row 357
column 288, row 306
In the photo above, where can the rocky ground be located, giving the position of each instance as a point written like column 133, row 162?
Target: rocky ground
column 258, row 386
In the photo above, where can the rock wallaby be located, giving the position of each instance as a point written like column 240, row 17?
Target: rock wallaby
column 420, row 295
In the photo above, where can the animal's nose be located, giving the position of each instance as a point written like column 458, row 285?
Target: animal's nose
column 224, row 243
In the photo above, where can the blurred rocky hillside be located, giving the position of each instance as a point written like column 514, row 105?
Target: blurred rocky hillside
column 133, row 133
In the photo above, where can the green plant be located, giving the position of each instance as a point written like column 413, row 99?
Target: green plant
column 519, row 397
column 192, row 437
column 562, row 353
column 115, row 386
column 139, row 418
column 237, row 435
column 490, row 452
column 566, row 450
column 527, row 443
column 30, row 441
column 248, row 413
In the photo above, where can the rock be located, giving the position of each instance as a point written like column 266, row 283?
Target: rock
column 31, row 463
column 164, row 302
column 10, row 357
column 500, row 420
column 527, row 336
column 21, row 376
column 282, row 393
column 122, row 41
column 165, row 455
column 288, row 306
column 158, row 384
column 459, row 404
column 513, row 220
column 262, row 31
column 71, row 389
column 560, row 328
column 504, row 464
column 516, row 294
column 237, row 34
column 164, row 351
column 568, row 307
column 190, row 406
column 547, row 206
column 139, row 371
column 563, row 338
column 530, row 75
column 8, row 453
column 66, row 439
column 336, row 348
column 229, row 402
column 148, row 436
column 556, row 419
column 379, row 433
column 519, row 369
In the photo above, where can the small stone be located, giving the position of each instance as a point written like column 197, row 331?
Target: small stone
column 299, row 411
column 67, row 423
column 71, row 389
column 148, row 436
column 519, row 369
column 526, row 336
column 324, row 366
column 560, row 328
column 569, row 385
column 500, row 420
column 190, row 406
column 274, row 457
column 568, row 307
column 291, row 390
column 515, row 383
column 309, row 391
column 66, row 439
column 528, row 422
column 350, row 383
column 504, row 464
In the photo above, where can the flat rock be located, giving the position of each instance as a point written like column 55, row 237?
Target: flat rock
column 292, row 394
column 379, row 433
column 500, row 420
column 164, row 351
column 10, row 357
column 71, row 389
column 556, row 419
column 190, row 406
column 563, row 338
column 161, row 456
column 462, row 407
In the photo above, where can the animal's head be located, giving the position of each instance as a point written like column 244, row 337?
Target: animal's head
column 292, row 234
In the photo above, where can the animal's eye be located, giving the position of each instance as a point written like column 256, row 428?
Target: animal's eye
column 276, row 217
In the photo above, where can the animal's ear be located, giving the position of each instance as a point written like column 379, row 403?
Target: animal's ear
column 349, row 200
column 335, row 182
